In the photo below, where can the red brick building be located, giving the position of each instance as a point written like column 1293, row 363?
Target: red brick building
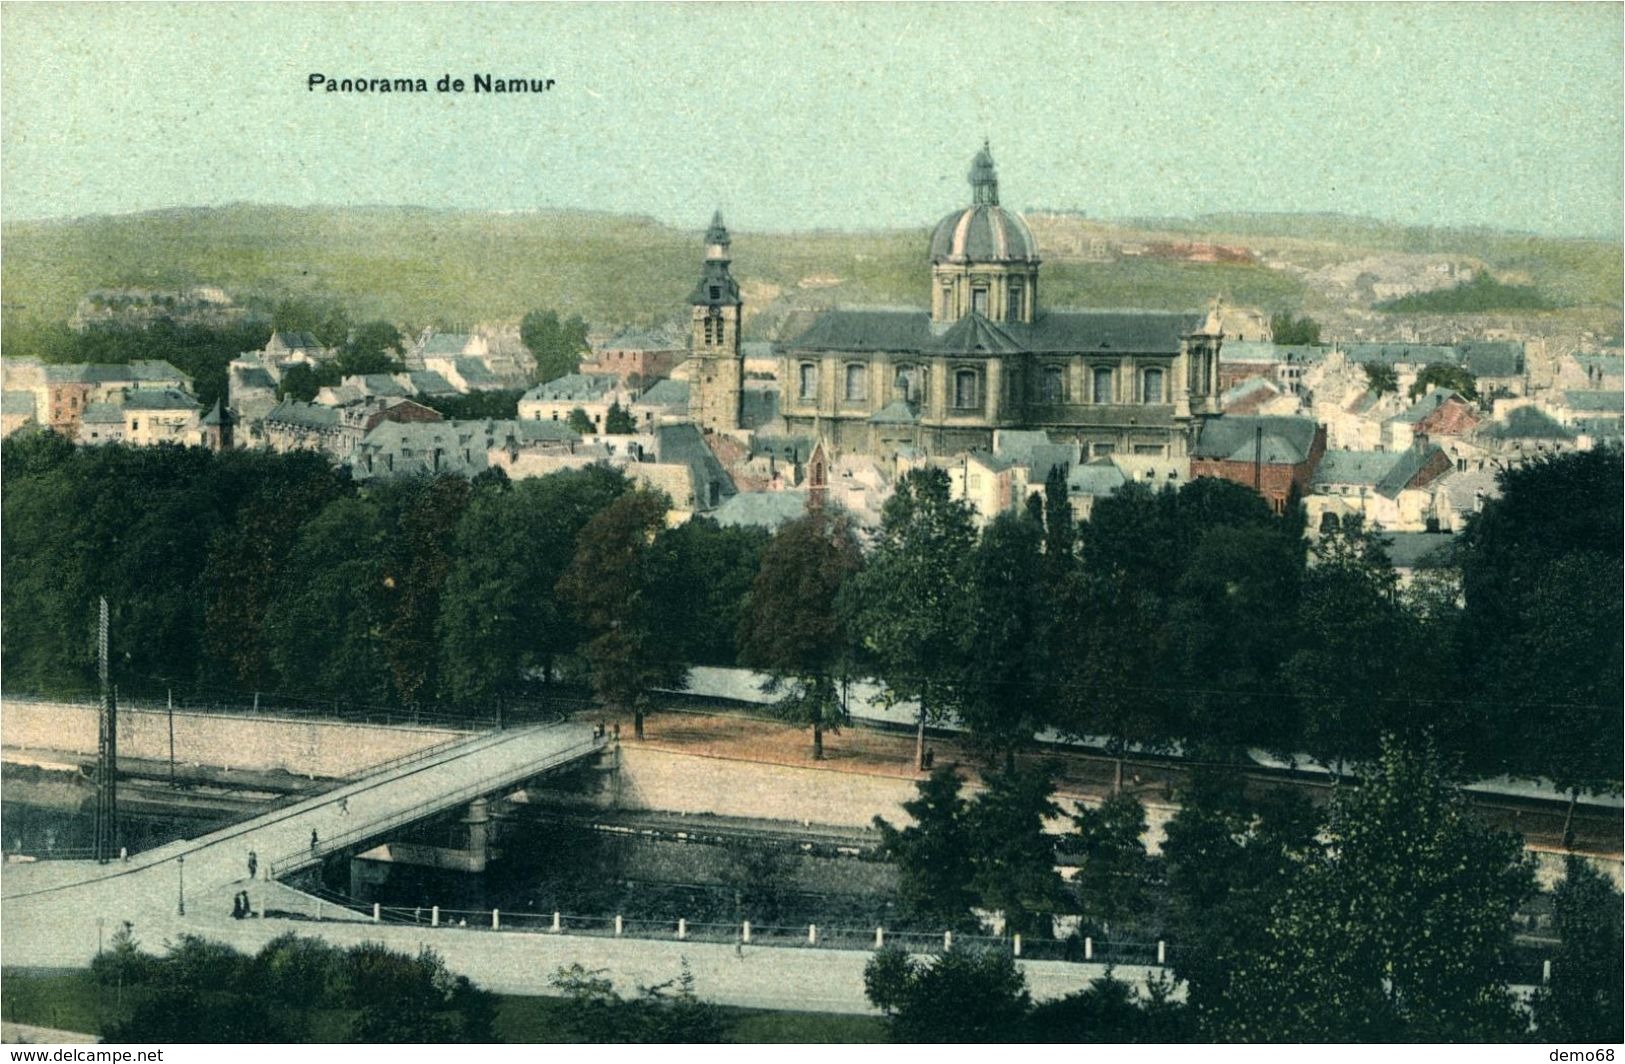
column 1275, row 456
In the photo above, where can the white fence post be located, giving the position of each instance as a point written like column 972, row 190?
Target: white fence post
column 377, row 913
column 947, row 940
column 496, row 919
column 1545, row 971
column 318, row 910
column 1018, row 945
column 746, row 931
column 812, row 934
column 880, row 938
column 1162, row 952
column 682, row 927
column 617, row 925
column 557, row 926
column 1088, row 949
column 434, row 916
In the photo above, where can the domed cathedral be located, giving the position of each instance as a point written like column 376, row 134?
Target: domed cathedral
column 989, row 355
column 717, row 377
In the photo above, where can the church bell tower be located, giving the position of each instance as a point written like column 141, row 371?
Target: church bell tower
column 717, row 370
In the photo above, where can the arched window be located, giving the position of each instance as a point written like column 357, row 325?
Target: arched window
column 857, row 378
column 808, row 381
column 1053, row 386
column 967, row 390
column 1103, row 391
column 1152, row 390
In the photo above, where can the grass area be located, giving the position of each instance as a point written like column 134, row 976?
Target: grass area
column 73, row 1000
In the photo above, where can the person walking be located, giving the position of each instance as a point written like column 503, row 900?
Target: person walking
column 253, row 864
column 313, row 840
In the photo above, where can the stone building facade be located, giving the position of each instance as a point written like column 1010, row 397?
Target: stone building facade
column 989, row 355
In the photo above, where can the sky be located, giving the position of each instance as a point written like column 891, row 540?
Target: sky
column 846, row 116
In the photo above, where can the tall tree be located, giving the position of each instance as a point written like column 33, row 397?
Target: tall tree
column 1381, row 379
column 1112, row 863
column 790, row 626
column 1013, row 868
column 1582, row 1003
column 607, row 585
column 908, row 605
column 1400, row 930
column 700, row 576
column 501, row 616
column 557, row 345
column 934, row 854
column 1004, row 664
column 1458, row 379
column 960, row 996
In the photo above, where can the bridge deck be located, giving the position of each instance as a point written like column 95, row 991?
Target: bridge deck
column 52, row 908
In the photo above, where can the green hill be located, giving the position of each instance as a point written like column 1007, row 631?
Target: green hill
column 417, row 266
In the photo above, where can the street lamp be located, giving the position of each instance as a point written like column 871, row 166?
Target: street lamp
column 180, row 898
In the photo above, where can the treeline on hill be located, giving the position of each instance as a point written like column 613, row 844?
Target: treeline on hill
column 1193, row 617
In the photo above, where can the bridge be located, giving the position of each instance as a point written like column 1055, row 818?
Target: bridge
column 59, row 912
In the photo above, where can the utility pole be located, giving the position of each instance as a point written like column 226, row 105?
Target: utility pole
column 106, row 752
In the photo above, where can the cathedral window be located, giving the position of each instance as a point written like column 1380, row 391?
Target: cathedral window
column 1103, row 392
column 978, row 301
column 909, row 383
column 1015, row 302
column 1153, row 386
column 857, row 377
column 967, row 391
column 1054, row 385
column 809, row 381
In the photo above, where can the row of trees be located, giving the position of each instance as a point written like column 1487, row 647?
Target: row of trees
column 293, row 990
column 1194, row 619
column 1387, row 916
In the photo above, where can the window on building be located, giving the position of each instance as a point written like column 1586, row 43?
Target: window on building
column 135, row 426
column 857, row 377
column 1150, row 449
column 978, row 300
column 1053, row 386
column 716, row 293
column 967, row 393
column 1153, row 386
column 975, row 482
column 1101, row 450
column 809, row 381
column 1103, row 391
column 1016, row 293
column 909, row 383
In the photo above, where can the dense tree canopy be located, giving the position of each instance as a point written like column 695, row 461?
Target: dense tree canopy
column 557, row 345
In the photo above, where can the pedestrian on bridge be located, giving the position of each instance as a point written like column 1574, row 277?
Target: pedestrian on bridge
column 313, row 840
column 253, row 863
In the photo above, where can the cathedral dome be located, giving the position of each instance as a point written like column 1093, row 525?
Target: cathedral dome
column 984, row 231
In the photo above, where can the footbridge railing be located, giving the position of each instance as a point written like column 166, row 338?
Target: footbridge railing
column 295, row 860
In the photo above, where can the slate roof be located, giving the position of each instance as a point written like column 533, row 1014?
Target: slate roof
column 1491, row 358
column 428, row 382
column 303, row 415
column 1424, row 406
column 1286, row 440
column 1246, row 389
column 573, row 387
column 991, row 461
column 1097, row 478
column 896, row 412
column 294, row 340
column 983, row 233
column 1046, row 457
column 1394, row 354
column 219, row 416
column 1353, row 468
column 159, row 399
column 446, row 344
column 1056, row 331
column 251, row 378
column 684, row 443
column 476, row 373
column 1408, row 464
column 668, row 393
column 1607, row 365
column 103, row 414
column 1527, row 423
column 378, row 384
column 1265, row 352
column 1419, row 550
column 142, row 370
column 18, row 403
column 1595, row 402
column 783, row 448
column 761, row 509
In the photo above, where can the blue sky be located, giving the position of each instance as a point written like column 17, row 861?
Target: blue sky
column 829, row 115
